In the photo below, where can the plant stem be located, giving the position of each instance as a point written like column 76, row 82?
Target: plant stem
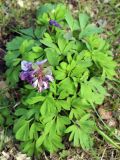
column 107, row 138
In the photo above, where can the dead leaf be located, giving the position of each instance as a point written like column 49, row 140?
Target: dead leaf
column 104, row 113
column 21, row 156
column 112, row 122
column 6, row 155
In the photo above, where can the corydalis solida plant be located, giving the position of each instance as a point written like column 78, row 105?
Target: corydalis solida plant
column 77, row 56
column 35, row 74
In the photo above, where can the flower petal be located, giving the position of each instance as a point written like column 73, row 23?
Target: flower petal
column 25, row 65
column 40, row 88
column 23, row 76
column 45, row 85
column 41, row 62
column 49, row 78
column 27, row 75
column 35, row 84
column 47, row 71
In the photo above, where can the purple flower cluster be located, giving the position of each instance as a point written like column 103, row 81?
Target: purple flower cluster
column 36, row 74
column 54, row 23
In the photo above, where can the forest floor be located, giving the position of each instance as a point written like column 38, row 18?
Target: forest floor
column 15, row 14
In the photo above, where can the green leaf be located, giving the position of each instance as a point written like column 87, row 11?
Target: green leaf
column 23, row 132
column 84, row 118
column 78, row 109
column 62, row 43
column 65, row 104
column 5, row 112
column 93, row 91
column 69, row 47
column 26, row 46
column 81, row 133
column 73, row 24
column 10, row 57
column 72, row 65
column 49, row 125
column 95, row 42
column 81, row 67
column 80, row 103
column 15, row 43
column 19, row 123
column 52, row 56
column 1, row 120
column 33, row 100
column 108, row 68
column 67, row 85
column 44, row 19
column 39, row 31
column 28, row 31
column 59, row 75
column 49, row 139
column 28, row 147
column 20, row 111
column 69, row 57
column 47, row 7
column 32, row 112
column 13, row 75
column 61, row 123
column 48, row 106
column 63, row 94
column 83, row 19
column 31, row 56
column 52, row 144
column 60, row 11
column 37, row 49
column 66, row 46
column 63, row 65
column 90, row 30
column 52, row 141
column 33, row 132
column 39, row 141
column 85, row 140
column 53, row 87
column 69, row 20
column 16, row 61
column 48, row 43
column 76, row 112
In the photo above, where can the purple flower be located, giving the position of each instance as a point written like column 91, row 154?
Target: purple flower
column 27, row 76
column 36, row 74
column 25, row 66
column 54, row 23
